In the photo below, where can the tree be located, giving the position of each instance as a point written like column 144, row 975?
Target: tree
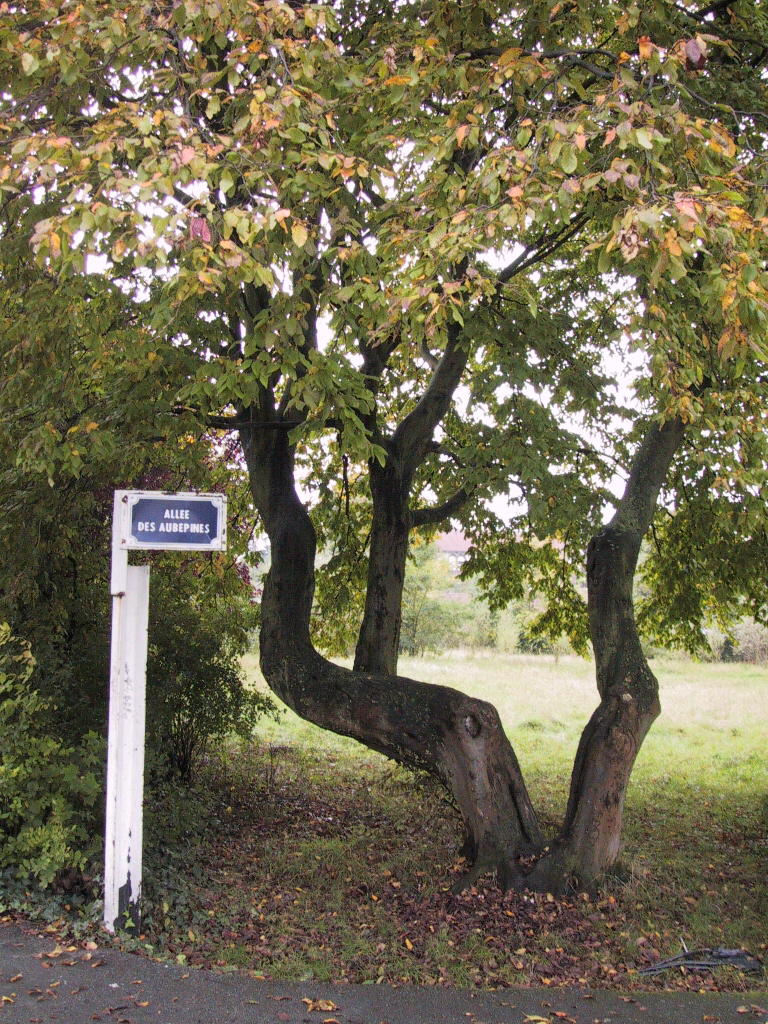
column 82, row 411
column 303, row 200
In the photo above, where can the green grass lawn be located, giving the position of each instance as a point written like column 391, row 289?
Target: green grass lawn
column 303, row 856
column 712, row 731
column 323, row 860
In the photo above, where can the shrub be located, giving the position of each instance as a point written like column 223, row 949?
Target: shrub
column 196, row 689
column 50, row 793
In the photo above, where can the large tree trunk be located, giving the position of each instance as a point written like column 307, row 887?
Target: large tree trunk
column 457, row 738
column 588, row 844
column 379, row 638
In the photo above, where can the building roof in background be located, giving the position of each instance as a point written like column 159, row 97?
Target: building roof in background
column 453, row 543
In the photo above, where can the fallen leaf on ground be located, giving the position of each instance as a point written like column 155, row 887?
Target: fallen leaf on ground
column 319, row 1005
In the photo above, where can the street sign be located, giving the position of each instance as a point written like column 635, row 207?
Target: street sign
column 161, row 520
column 180, row 521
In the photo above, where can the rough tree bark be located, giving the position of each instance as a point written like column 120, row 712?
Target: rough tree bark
column 457, row 738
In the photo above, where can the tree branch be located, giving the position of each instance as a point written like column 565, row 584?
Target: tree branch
column 545, row 245
column 437, row 513
column 414, row 433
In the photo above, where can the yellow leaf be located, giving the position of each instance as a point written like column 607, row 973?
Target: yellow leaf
column 398, row 80
column 191, row 934
column 508, row 56
column 299, row 234
column 91, row 426
column 408, row 944
column 461, row 132
column 459, row 217
column 645, row 47
column 738, row 216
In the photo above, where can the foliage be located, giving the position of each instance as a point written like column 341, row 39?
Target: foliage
column 322, row 219
column 747, row 641
column 94, row 417
column 245, row 172
column 50, row 793
column 431, row 620
column 195, row 686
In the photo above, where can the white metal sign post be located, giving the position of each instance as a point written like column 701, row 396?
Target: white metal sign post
column 143, row 520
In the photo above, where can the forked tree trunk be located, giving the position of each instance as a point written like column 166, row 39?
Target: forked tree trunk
column 456, row 738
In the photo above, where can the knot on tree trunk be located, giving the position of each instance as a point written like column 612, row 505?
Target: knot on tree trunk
column 472, row 726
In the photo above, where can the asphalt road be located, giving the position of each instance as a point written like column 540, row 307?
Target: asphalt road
column 41, row 981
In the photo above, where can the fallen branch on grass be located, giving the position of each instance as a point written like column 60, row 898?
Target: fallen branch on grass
column 704, row 959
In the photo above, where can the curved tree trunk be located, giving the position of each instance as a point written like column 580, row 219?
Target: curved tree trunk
column 588, row 844
column 457, row 738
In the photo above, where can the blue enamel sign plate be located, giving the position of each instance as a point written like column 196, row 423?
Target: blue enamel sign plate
column 153, row 519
